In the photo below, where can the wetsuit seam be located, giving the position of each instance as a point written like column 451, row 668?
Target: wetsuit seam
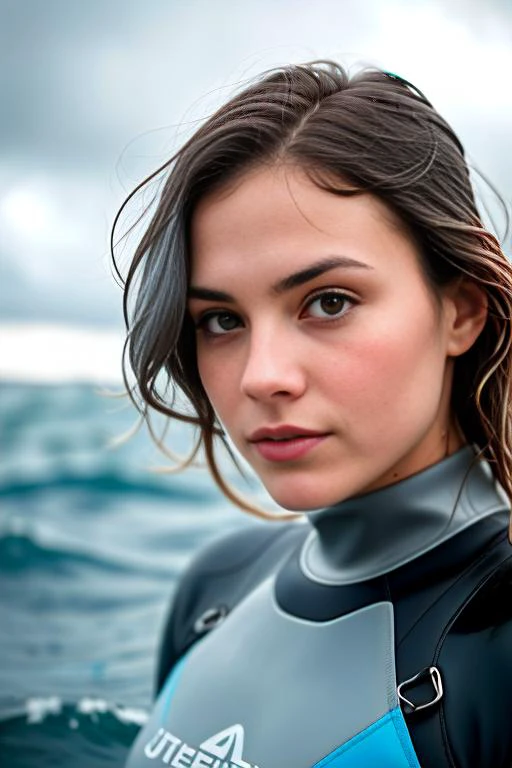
column 446, row 740
column 462, row 607
column 357, row 739
column 461, row 576
column 411, row 757
column 390, row 652
column 368, row 732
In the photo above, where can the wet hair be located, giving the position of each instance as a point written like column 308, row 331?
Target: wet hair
column 373, row 133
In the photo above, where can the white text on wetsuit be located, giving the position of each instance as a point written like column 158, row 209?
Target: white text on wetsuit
column 177, row 754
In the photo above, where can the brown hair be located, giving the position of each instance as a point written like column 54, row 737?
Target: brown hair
column 373, row 132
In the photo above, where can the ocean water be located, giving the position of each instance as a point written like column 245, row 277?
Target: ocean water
column 92, row 542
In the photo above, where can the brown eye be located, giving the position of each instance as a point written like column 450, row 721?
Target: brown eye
column 330, row 304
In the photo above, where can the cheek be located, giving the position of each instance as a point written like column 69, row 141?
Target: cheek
column 387, row 375
column 218, row 380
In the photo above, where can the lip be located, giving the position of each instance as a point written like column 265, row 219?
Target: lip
column 283, row 432
column 285, row 442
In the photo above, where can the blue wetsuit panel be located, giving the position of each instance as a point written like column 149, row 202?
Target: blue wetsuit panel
column 386, row 743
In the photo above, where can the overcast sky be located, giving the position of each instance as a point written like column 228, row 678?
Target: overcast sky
column 95, row 94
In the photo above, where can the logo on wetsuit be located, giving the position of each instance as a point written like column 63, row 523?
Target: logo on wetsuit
column 224, row 750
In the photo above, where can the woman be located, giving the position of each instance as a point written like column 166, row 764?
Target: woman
column 317, row 281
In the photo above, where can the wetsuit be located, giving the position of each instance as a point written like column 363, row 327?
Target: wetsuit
column 298, row 645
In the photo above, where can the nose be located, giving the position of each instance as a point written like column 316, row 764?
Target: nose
column 273, row 367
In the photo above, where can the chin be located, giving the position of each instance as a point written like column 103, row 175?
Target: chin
column 299, row 499
column 310, row 491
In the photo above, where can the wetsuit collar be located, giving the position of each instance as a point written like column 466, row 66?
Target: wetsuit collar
column 370, row 535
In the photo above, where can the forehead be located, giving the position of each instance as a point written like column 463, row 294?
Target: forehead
column 276, row 218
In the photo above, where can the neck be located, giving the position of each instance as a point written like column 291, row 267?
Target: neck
column 367, row 536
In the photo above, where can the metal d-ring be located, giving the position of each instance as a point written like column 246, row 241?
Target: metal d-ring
column 435, row 679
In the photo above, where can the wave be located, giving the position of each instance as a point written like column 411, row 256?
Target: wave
column 110, row 481
column 50, row 732
column 22, row 551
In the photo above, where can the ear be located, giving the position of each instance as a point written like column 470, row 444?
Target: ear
column 466, row 306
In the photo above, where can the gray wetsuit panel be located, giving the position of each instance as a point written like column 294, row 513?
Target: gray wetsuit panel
column 295, row 689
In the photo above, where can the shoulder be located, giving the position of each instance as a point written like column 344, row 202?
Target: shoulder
column 218, row 578
column 479, row 661
column 253, row 548
column 236, row 549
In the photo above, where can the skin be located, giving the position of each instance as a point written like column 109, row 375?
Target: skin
column 369, row 365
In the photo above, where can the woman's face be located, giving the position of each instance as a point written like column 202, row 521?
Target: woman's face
column 319, row 343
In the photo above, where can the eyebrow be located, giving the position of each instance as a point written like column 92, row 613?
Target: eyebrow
column 286, row 283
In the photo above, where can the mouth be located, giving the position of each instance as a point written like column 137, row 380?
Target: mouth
column 283, row 433
column 285, row 443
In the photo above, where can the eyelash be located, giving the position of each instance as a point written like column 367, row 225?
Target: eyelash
column 202, row 323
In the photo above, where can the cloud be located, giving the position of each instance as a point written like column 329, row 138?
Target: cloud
column 92, row 90
column 54, row 250
column 84, row 79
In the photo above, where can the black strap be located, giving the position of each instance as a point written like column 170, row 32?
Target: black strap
column 420, row 649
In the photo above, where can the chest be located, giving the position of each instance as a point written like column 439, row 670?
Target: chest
column 270, row 690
